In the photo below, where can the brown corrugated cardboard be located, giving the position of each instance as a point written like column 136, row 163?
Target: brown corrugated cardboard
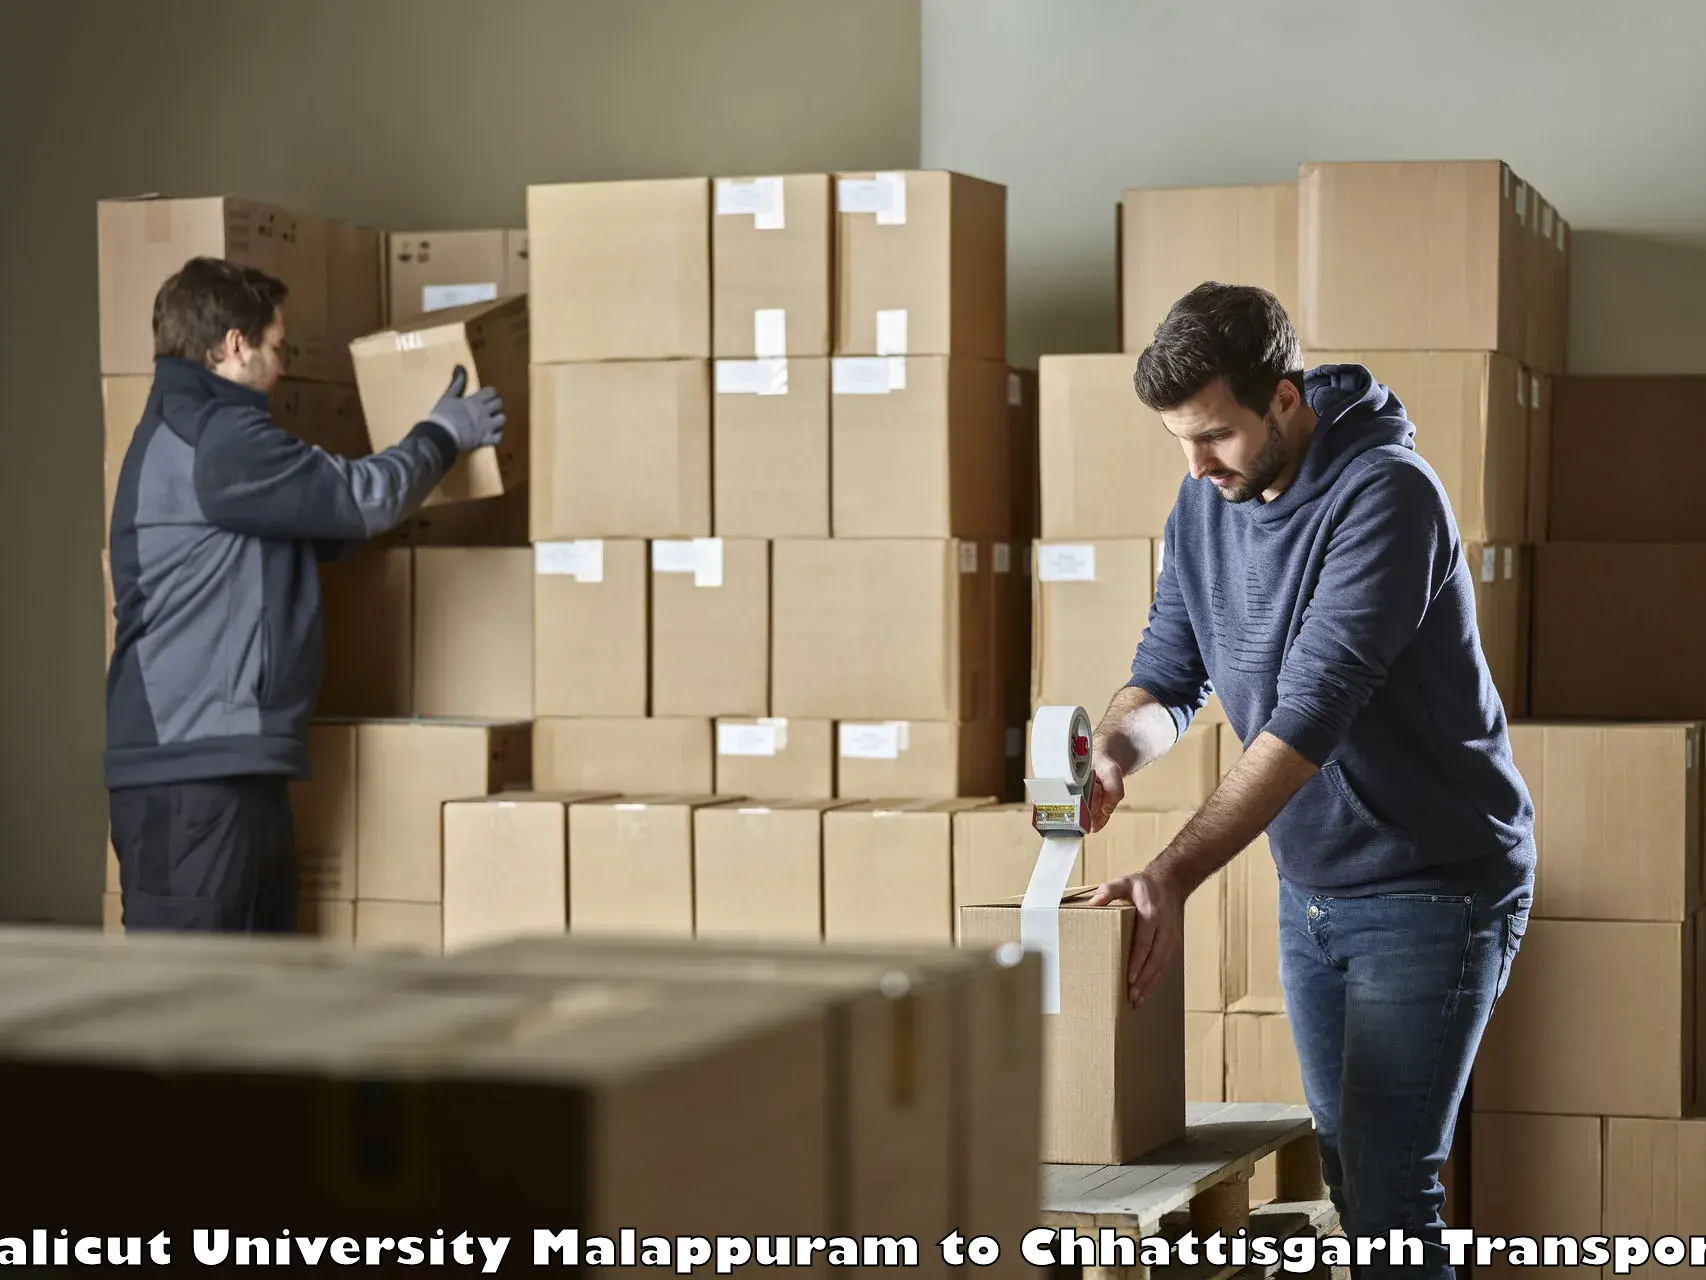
column 1504, row 581
column 590, row 629
column 1601, row 663
column 1114, row 1075
column 354, row 302
column 1108, row 467
column 622, row 754
column 920, row 758
column 883, row 629
column 1655, row 1183
column 1634, row 984
column 1545, row 287
column 1172, row 239
column 620, row 270
column 1617, row 812
column 595, row 423
column 399, row 926
column 474, row 632
column 921, row 265
column 1251, row 965
column 490, row 522
column 771, row 448
column 774, row 756
column 995, row 851
column 403, row 370
column 368, row 607
column 433, row 270
column 1538, row 1176
column 1411, row 256
column 771, row 266
column 123, row 401
column 1608, row 435
column 1471, row 414
column 1541, row 399
column 1091, row 603
column 888, row 871
column 632, row 869
column 919, row 448
column 322, row 414
column 1205, row 1057
column 405, row 771
column 1185, row 777
column 325, row 808
column 506, row 866
column 710, row 651
column 1261, row 1060
column 758, row 870
column 331, row 919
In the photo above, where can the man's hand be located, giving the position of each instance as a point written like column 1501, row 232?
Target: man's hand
column 473, row 421
column 1107, row 789
column 1160, row 926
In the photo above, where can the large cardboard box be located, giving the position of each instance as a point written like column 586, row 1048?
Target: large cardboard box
column 920, row 758
column 995, row 852
column 123, row 402
column 1546, row 286
column 921, row 265
column 883, row 629
column 598, row 428
column 591, row 626
column 888, row 871
column 920, row 448
column 1412, row 256
column 1542, row 402
column 1091, row 602
column 1205, row 1057
column 1598, row 1018
column 1471, row 414
column 489, row 522
column 1251, row 966
column 758, row 870
column 399, row 926
column 774, row 756
column 368, row 616
column 1504, row 593
column 1632, row 655
column 325, row 809
column 1608, row 433
column 355, row 303
column 1261, row 1060
column 1108, row 468
column 620, row 270
column 405, row 771
column 402, row 372
column 770, row 463
column 474, row 632
column 1538, row 1176
column 772, row 266
column 1174, row 238
column 632, row 869
column 433, row 270
column 1114, row 1074
column 1617, row 817
column 1655, row 1183
column 710, row 649
column 622, row 753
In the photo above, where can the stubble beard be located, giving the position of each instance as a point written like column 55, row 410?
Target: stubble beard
column 1264, row 470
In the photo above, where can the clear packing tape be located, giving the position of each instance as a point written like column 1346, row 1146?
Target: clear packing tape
column 1058, row 786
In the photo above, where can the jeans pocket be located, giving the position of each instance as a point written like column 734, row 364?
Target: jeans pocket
column 1512, row 928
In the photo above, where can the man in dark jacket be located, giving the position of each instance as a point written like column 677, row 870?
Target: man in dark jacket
column 218, row 525
column 1313, row 577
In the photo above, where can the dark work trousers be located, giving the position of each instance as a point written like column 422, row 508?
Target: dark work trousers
column 207, row 857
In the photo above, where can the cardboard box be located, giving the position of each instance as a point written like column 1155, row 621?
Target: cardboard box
column 435, row 270
column 123, row 402
column 319, row 413
column 325, row 810
column 1635, row 985
column 710, row 650
column 1655, row 1183
column 1504, row 592
column 1205, row 1057
column 596, row 423
column 402, row 372
column 112, row 912
column 1412, row 256
column 620, row 270
column 632, row 870
column 920, row 758
column 921, row 265
column 758, row 870
column 1091, row 605
column 506, row 866
column 1471, row 414
column 368, row 616
column 622, row 754
column 1617, row 812
column 770, row 448
column 326, row 918
column 1114, row 1075
column 591, row 625
column 772, row 266
column 1608, row 434
column 888, row 872
column 355, row 303
column 1538, row 1176
column 1541, row 409
column 405, row 771
column 490, row 522
column 1604, row 662
column 1546, row 286
column 399, row 926
column 919, row 448
column 1261, row 1060
column 882, row 629
column 1108, row 468
column 1173, row 238
column 1251, row 965
column 773, row 756
column 995, row 852
column 474, row 632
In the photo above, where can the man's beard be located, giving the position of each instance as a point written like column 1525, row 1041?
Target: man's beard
column 1263, row 471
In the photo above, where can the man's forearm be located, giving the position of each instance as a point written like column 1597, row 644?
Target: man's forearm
column 1135, row 731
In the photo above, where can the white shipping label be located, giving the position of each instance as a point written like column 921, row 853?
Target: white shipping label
column 1522, row 201
column 968, row 557
column 770, row 332
column 760, row 197
column 1560, row 234
column 746, row 740
column 873, row 741
column 777, row 725
column 1546, row 221
column 752, row 377
column 893, row 211
column 436, row 297
column 1160, row 557
column 868, row 375
column 1489, row 563
column 702, row 557
column 582, row 560
column 1060, row 562
column 891, row 332
column 1534, row 391
column 1003, row 558
column 1521, row 380
column 883, row 195
column 1015, row 391
column 1510, row 562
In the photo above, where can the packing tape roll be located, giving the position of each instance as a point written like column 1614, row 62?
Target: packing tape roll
column 1053, row 732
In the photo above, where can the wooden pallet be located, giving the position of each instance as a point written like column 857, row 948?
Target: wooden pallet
column 1200, row 1183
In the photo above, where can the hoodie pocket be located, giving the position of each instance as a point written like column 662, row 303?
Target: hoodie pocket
column 1355, row 804
column 1328, row 836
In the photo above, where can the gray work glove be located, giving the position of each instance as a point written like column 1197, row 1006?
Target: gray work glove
column 473, row 421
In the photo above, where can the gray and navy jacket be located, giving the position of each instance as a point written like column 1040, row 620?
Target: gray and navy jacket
column 219, row 523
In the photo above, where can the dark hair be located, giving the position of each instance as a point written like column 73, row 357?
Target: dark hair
column 208, row 298
column 1232, row 331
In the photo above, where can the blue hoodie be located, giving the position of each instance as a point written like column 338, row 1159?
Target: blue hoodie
column 1341, row 619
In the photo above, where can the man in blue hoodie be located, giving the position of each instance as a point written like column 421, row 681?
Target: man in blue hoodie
column 1313, row 578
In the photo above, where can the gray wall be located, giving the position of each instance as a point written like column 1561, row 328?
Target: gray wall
column 425, row 113
column 1601, row 106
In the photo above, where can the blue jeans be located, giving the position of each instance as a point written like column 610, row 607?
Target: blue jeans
column 1388, row 997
